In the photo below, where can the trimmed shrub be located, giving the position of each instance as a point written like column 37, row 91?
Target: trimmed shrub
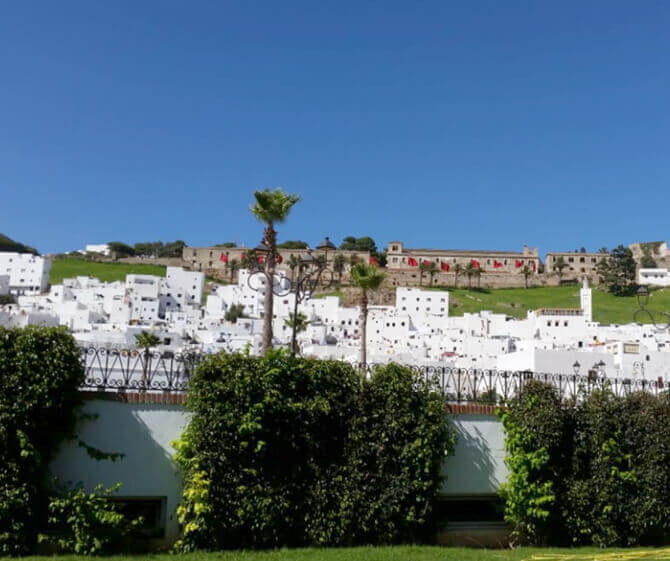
column 287, row 451
column 592, row 473
column 40, row 373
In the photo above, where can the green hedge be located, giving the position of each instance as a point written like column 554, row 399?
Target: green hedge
column 593, row 472
column 285, row 451
column 40, row 372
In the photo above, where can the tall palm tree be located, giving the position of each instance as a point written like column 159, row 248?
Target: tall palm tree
column 478, row 274
column 423, row 268
column 432, row 271
column 271, row 207
column 293, row 265
column 526, row 272
column 301, row 322
column 338, row 266
column 366, row 277
column 146, row 340
column 458, row 270
column 233, row 266
column 469, row 272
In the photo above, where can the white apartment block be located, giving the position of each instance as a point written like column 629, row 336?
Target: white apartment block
column 28, row 273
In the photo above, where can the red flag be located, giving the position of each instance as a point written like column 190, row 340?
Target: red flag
column 475, row 263
column 243, row 256
column 412, row 262
column 279, row 258
column 497, row 264
column 533, row 266
column 518, row 264
column 261, row 259
column 224, row 258
column 426, row 263
column 444, row 266
column 374, row 261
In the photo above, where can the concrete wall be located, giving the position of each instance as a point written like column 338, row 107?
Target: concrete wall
column 144, row 432
column 141, row 431
column 477, row 466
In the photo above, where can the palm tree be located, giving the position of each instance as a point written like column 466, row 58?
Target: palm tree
column 526, row 272
column 559, row 265
column 478, row 273
column 366, row 277
column 272, row 207
column 423, row 268
column 470, row 270
column 300, row 321
column 458, row 270
column 146, row 340
column 233, row 266
column 338, row 266
column 432, row 271
column 293, row 265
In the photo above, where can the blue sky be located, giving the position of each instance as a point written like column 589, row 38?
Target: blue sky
column 482, row 125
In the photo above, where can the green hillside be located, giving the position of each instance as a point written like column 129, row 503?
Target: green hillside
column 517, row 301
column 67, row 267
column 8, row 244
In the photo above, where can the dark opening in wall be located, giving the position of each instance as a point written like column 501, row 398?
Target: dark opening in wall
column 151, row 509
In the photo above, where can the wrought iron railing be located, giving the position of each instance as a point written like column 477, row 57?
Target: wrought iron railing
column 139, row 370
column 136, row 369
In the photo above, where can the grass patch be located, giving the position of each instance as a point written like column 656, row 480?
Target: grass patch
column 402, row 553
column 68, row 267
column 516, row 302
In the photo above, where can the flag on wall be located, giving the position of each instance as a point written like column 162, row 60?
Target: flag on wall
column 279, row 258
column 243, row 256
column 261, row 259
column 497, row 264
column 475, row 263
column 412, row 262
column 224, row 258
column 534, row 266
column 426, row 263
column 374, row 261
column 444, row 266
column 518, row 264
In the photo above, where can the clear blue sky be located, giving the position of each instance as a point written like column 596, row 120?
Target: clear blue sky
column 479, row 125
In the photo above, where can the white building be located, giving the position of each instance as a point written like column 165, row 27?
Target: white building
column 28, row 273
column 101, row 248
column 654, row 277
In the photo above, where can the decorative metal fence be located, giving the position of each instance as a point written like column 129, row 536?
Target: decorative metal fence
column 138, row 370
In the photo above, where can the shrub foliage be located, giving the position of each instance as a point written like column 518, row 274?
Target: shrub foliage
column 596, row 472
column 40, row 372
column 287, row 451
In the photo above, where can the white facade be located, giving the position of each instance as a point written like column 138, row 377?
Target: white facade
column 654, row 277
column 28, row 273
column 101, row 248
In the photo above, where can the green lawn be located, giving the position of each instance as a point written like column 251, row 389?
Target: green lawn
column 517, row 301
column 416, row 553
column 68, row 267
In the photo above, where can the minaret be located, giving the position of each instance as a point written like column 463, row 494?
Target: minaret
column 585, row 300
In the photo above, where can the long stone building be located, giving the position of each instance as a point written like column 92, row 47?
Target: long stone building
column 502, row 262
column 216, row 261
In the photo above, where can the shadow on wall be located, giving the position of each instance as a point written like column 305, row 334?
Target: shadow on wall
column 143, row 433
column 477, row 466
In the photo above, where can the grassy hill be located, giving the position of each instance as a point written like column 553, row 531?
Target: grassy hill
column 511, row 301
column 67, row 267
column 517, row 301
column 8, row 244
